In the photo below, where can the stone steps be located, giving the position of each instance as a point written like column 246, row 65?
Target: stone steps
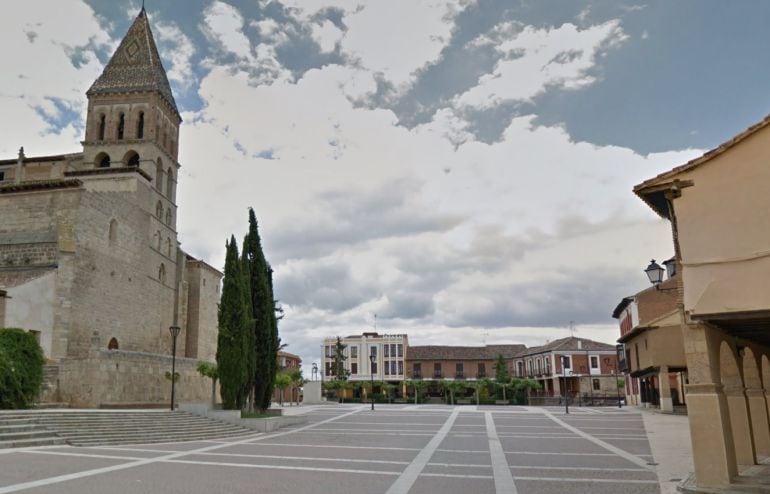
column 109, row 427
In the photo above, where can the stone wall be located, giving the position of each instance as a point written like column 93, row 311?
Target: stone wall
column 129, row 378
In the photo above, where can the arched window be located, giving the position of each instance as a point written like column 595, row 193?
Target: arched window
column 168, row 247
column 113, row 234
column 162, row 273
column 159, row 175
column 140, row 126
column 169, row 182
column 157, row 240
column 131, row 158
column 168, row 216
column 159, row 210
column 121, row 125
column 102, row 160
column 113, row 344
column 102, row 126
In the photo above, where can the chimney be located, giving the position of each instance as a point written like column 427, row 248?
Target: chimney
column 20, row 166
column 670, row 268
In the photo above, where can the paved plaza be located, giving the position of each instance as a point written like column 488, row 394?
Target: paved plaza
column 350, row 449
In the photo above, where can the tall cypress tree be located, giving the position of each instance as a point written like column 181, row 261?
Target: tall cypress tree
column 273, row 341
column 233, row 324
column 261, row 310
column 249, row 338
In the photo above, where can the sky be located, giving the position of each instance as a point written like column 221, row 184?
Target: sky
column 456, row 170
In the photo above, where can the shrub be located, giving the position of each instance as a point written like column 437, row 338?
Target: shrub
column 21, row 368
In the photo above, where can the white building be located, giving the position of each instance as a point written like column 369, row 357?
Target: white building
column 389, row 353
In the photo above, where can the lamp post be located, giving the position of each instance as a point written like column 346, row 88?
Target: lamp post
column 174, row 330
column 314, row 372
column 566, row 395
column 372, row 359
column 654, row 273
column 617, row 388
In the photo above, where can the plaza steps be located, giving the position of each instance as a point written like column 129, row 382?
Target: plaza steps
column 111, row 427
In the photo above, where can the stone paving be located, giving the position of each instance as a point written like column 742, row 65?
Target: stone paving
column 395, row 449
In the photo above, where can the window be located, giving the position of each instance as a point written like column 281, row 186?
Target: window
column 2, row 176
column 169, row 183
column 159, row 175
column 168, row 216
column 374, row 368
column 393, row 350
column 140, row 126
column 113, row 344
column 159, row 211
column 393, row 368
column 385, row 351
column 102, row 160
column 113, row 233
column 594, row 362
column 121, row 125
column 162, row 273
column 482, row 370
column 133, row 160
column 436, row 369
column 417, row 370
column 354, row 368
column 529, row 367
column 520, row 368
column 168, row 252
column 328, row 368
column 102, row 125
column 387, row 369
column 157, row 240
column 459, row 369
column 400, row 350
column 547, row 361
column 354, row 352
column 597, row 386
column 373, row 350
column 400, row 367
column 537, row 366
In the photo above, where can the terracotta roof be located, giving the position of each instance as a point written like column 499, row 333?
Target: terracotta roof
column 135, row 65
column 643, row 189
column 445, row 352
column 570, row 343
column 40, row 185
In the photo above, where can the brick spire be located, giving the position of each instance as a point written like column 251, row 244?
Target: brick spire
column 135, row 66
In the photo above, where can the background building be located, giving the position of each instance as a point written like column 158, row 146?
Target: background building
column 389, row 353
column 89, row 255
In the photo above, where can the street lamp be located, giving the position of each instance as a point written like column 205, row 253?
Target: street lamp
column 564, row 360
column 654, row 272
column 372, row 358
column 314, row 373
column 617, row 387
column 174, row 330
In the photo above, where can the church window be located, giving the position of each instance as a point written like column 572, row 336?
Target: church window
column 162, row 273
column 169, row 183
column 159, row 175
column 157, row 240
column 103, row 160
column 102, row 126
column 113, row 344
column 159, row 210
column 121, row 125
column 168, row 216
column 168, row 247
column 131, row 158
column 113, row 234
column 140, row 126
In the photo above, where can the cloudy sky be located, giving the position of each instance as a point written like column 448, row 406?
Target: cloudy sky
column 460, row 168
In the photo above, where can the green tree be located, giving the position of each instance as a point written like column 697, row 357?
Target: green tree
column 232, row 341
column 453, row 387
column 521, row 388
column 282, row 381
column 387, row 390
column 296, row 380
column 206, row 369
column 502, row 377
column 263, row 316
column 338, row 362
column 21, row 368
column 417, row 385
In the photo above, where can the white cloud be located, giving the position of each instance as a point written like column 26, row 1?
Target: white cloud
column 536, row 59
column 39, row 69
column 326, row 34
column 223, row 24
column 176, row 47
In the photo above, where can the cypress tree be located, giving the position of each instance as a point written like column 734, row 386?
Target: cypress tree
column 273, row 341
column 249, row 343
column 233, row 324
column 261, row 310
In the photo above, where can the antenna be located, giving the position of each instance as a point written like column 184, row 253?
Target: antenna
column 484, row 338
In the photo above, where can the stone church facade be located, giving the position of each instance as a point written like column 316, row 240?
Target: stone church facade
column 89, row 256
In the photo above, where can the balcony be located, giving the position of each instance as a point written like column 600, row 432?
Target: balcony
column 437, row 375
column 417, row 375
column 459, row 375
column 481, row 375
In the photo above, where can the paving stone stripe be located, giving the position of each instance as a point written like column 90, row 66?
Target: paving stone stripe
column 503, row 479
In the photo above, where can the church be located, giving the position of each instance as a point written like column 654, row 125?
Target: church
column 89, row 256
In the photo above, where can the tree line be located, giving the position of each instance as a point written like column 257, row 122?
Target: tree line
column 248, row 342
